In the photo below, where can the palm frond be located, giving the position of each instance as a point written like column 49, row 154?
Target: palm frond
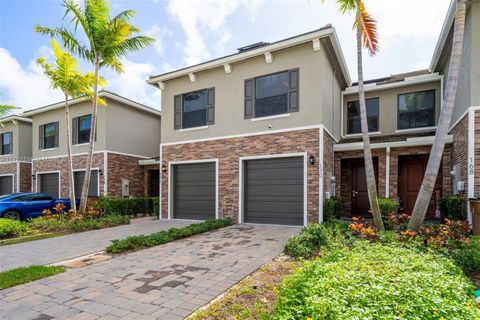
column 368, row 26
column 6, row 108
column 347, row 6
column 124, row 15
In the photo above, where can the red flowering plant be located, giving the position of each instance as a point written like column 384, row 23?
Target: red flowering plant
column 398, row 221
column 47, row 213
column 60, row 209
column 363, row 229
column 448, row 234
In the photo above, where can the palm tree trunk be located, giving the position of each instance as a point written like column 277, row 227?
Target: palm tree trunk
column 71, row 189
column 367, row 151
column 428, row 184
column 93, row 129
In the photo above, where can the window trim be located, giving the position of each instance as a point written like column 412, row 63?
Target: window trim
column 78, row 129
column 203, row 126
column 434, row 110
column 347, row 134
column 10, row 144
column 56, row 136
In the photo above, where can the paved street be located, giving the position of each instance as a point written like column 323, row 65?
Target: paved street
column 164, row 282
column 57, row 249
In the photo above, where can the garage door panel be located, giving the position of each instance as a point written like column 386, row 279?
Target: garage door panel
column 274, row 191
column 49, row 184
column 6, row 185
column 194, row 189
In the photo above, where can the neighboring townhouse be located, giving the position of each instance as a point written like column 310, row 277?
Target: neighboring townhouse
column 250, row 136
column 128, row 134
column 15, row 154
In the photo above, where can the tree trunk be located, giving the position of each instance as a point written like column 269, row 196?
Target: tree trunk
column 428, row 184
column 71, row 189
column 93, row 130
column 367, row 151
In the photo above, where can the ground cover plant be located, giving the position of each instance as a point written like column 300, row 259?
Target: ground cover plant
column 22, row 275
column 134, row 243
column 10, row 228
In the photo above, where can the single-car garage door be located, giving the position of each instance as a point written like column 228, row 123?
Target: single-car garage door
column 194, row 191
column 6, row 185
column 273, row 191
column 48, row 183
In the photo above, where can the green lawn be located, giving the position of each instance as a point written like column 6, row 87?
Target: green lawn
column 22, row 275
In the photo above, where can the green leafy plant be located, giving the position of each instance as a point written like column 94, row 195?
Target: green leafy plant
column 12, row 228
column 453, row 208
column 467, row 256
column 145, row 241
column 54, row 223
column 22, row 275
column 129, row 206
column 332, row 208
column 309, row 241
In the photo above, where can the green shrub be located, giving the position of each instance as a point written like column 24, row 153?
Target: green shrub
column 332, row 208
column 376, row 281
column 145, row 241
column 388, row 206
column 467, row 256
column 129, row 206
column 83, row 224
column 453, row 208
column 309, row 240
column 10, row 228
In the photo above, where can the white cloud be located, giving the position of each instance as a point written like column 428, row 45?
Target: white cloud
column 200, row 18
column 27, row 87
column 158, row 34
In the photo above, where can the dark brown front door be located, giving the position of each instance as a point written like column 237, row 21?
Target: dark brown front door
column 412, row 170
column 360, row 202
column 153, row 183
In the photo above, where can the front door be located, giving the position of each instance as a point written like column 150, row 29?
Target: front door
column 153, row 183
column 412, row 170
column 360, row 202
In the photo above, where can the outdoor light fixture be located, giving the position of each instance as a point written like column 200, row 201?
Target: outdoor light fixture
column 311, row 159
column 33, row 177
column 100, row 172
column 164, row 168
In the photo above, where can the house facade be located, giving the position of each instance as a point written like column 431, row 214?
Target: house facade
column 15, row 154
column 127, row 134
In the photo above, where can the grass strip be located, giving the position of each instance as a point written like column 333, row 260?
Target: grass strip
column 22, row 275
column 135, row 243
column 34, row 237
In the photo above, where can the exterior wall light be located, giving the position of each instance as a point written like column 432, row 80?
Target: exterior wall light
column 164, row 168
column 100, row 172
column 311, row 159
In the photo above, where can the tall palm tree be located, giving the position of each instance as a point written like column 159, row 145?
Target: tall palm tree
column 428, row 183
column 367, row 37
column 6, row 108
column 108, row 40
column 66, row 76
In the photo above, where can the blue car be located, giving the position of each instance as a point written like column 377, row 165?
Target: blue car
column 27, row 205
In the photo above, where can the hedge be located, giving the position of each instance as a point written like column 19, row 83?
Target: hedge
column 129, row 206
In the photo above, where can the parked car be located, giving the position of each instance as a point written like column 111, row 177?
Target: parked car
column 27, row 205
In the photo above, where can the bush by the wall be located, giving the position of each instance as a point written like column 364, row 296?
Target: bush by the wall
column 10, row 228
column 54, row 224
column 309, row 240
column 453, row 208
column 129, row 206
column 332, row 208
column 467, row 256
column 388, row 206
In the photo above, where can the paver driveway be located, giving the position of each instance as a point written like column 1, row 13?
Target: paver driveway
column 57, row 249
column 164, row 282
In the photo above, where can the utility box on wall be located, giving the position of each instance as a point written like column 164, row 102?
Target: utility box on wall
column 457, row 185
column 125, row 188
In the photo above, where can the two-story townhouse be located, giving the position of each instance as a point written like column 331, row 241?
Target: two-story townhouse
column 128, row 134
column 250, row 136
column 15, row 154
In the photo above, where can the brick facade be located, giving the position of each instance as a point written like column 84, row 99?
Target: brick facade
column 460, row 150
column 25, row 170
column 228, row 152
column 25, row 177
column 477, row 154
column 147, row 169
column 125, row 167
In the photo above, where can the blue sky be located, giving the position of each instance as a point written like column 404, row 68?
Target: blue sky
column 192, row 31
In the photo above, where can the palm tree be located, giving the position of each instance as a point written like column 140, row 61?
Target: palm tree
column 428, row 183
column 5, row 109
column 367, row 37
column 66, row 76
column 108, row 40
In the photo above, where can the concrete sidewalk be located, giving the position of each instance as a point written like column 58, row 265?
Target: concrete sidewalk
column 58, row 249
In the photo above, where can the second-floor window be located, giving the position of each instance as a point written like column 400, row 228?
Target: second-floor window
column 81, row 129
column 7, row 143
column 48, row 136
column 354, row 124
column 416, row 110
column 194, row 109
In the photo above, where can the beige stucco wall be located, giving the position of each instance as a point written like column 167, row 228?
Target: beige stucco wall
column 475, row 54
column 22, row 140
column 131, row 130
column 315, row 95
column 388, row 104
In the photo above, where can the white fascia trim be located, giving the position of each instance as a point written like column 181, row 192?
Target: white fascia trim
column 340, row 56
column 95, row 152
column 170, row 183
column 160, row 194
column 13, row 180
column 8, row 162
column 105, row 173
column 15, row 118
column 471, row 159
column 387, row 173
column 356, row 135
column 193, row 129
column 407, row 82
column 416, row 129
column 329, row 133
column 241, row 161
column 259, row 133
column 320, row 176
column 148, row 162
column 284, row 115
column 463, row 116
column 49, row 149
column 410, row 142
column 447, row 24
column 18, row 177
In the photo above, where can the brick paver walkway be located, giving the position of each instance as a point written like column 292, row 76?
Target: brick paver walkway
column 57, row 249
column 164, row 282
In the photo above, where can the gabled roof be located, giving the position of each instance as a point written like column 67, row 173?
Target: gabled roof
column 326, row 33
column 442, row 39
column 15, row 117
column 102, row 94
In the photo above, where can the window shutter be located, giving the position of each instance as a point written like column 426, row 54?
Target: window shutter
column 57, row 134
column 41, row 139
column 177, row 112
column 249, row 98
column 211, row 106
column 75, row 130
column 11, row 142
column 293, row 105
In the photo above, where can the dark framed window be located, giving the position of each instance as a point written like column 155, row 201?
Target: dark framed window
column 416, row 109
column 7, row 143
column 271, row 95
column 81, row 127
column 194, row 111
column 354, row 124
column 48, row 135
